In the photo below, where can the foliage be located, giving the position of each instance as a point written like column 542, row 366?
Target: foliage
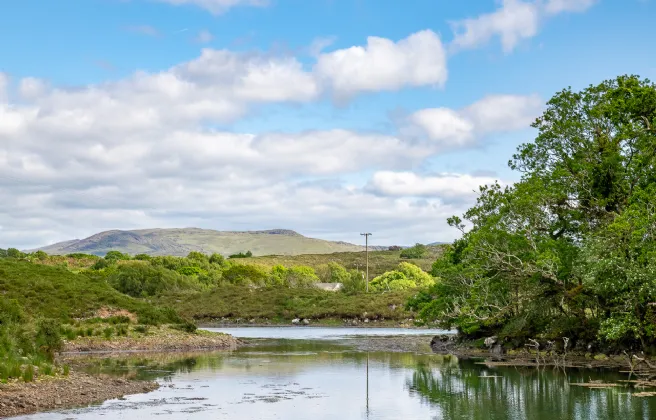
column 406, row 276
column 276, row 303
column 244, row 275
column 116, row 256
column 415, row 252
column 569, row 250
column 48, row 338
column 248, row 254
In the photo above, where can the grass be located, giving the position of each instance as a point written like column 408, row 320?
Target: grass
column 379, row 261
column 278, row 304
column 55, row 292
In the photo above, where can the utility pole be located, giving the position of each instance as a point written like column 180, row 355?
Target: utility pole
column 366, row 242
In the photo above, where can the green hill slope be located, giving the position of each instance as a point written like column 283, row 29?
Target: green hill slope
column 56, row 292
column 180, row 242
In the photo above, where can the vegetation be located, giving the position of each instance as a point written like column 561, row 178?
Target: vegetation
column 242, row 255
column 568, row 251
column 406, row 276
column 415, row 252
column 283, row 304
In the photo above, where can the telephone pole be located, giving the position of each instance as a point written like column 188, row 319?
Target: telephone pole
column 366, row 242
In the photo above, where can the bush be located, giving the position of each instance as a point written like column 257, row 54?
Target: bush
column 145, row 280
column 248, row 254
column 243, row 275
column 100, row 264
column 417, row 251
column 122, row 329
column 10, row 311
column 15, row 253
column 217, row 259
column 107, row 332
column 143, row 257
column 116, row 256
column 406, row 276
column 48, row 337
column 142, row 329
column 186, row 326
column 28, row 374
column 198, row 256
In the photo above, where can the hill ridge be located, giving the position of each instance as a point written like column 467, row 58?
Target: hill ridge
column 181, row 241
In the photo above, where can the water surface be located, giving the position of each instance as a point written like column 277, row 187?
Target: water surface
column 317, row 375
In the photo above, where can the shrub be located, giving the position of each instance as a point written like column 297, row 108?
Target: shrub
column 143, row 257
column 406, row 276
column 217, row 259
column 146, row 280
column 107, row 332
column 198, row 256
column 248, row 254
column 417, row 251
column 300, row 276
column 28, row 374
column 15, row 253
column 48, row 337
column 190, row 271
column 142, row 329
column 100, row 264
column 122, row 329
column 243, row 275
column 116, row 255
column 186, row 326
column 10, row 311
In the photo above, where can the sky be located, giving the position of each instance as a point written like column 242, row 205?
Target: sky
column 328, row 117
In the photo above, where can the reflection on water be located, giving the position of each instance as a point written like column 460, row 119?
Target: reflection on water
column 309, row 379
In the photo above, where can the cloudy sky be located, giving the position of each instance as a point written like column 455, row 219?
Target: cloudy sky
column 329, row 117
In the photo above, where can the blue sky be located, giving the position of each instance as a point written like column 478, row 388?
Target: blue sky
column 227, row 114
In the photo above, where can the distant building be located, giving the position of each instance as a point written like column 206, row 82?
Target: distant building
column 329, row 287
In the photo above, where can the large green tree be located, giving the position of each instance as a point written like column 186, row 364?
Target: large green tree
column 566, row 251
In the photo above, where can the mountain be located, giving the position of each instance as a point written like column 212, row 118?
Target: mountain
column 182, row 241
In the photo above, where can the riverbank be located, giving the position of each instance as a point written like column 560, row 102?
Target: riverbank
column 305, row 322
column 160, row 339
column 75, row 390
column 496, row 356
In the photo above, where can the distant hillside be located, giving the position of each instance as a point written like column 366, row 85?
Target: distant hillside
column 180, row 242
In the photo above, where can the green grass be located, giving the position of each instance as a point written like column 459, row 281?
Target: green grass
column 379, row 261
column 285, row 304
column 55, row 292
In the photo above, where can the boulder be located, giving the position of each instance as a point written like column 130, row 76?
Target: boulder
column 306, row 322
column 296, row 321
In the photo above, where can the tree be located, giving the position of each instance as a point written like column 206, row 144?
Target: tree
column 417, row 251
column 406, row 276
column 560, row 252
column 116, row 256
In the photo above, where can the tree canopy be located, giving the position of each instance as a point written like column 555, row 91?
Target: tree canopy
column 568, row 251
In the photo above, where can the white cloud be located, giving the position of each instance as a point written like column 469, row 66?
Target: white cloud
column 559, row 6
column 512, row 22
column 217, row 7
column 4, row 83
column 30, row 87
column 504, row 112
column 204, row 36
column 137, row 152
column 418, row 60
column 443, row 186
column 448, row 128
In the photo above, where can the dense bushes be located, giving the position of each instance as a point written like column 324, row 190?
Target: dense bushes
column 406, row 276
column 415, row 252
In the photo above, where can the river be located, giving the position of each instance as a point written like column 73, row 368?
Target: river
column 322, row 373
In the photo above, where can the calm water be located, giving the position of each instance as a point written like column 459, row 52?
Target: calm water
column 316, row 376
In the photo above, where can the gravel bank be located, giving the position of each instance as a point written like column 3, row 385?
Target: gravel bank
column 75, row 390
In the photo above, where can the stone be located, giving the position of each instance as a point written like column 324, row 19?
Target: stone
column 306, row 322
column 296, row 321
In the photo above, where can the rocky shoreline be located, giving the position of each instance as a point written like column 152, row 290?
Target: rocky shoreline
column 75, row 390
column 497, row 356
column 163, row 340
column 80, row 389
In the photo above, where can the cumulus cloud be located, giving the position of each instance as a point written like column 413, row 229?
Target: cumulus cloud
column 512, row 22
column 4, row 82
column 418, row 60
column 140, row 152
column 444, row 186
column 448, row 128
column 217, row 7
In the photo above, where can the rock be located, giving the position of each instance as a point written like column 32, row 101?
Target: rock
column 490, row 341
column 366, row 320
column 296, row 321
column 443, row 343
column 306, row 322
